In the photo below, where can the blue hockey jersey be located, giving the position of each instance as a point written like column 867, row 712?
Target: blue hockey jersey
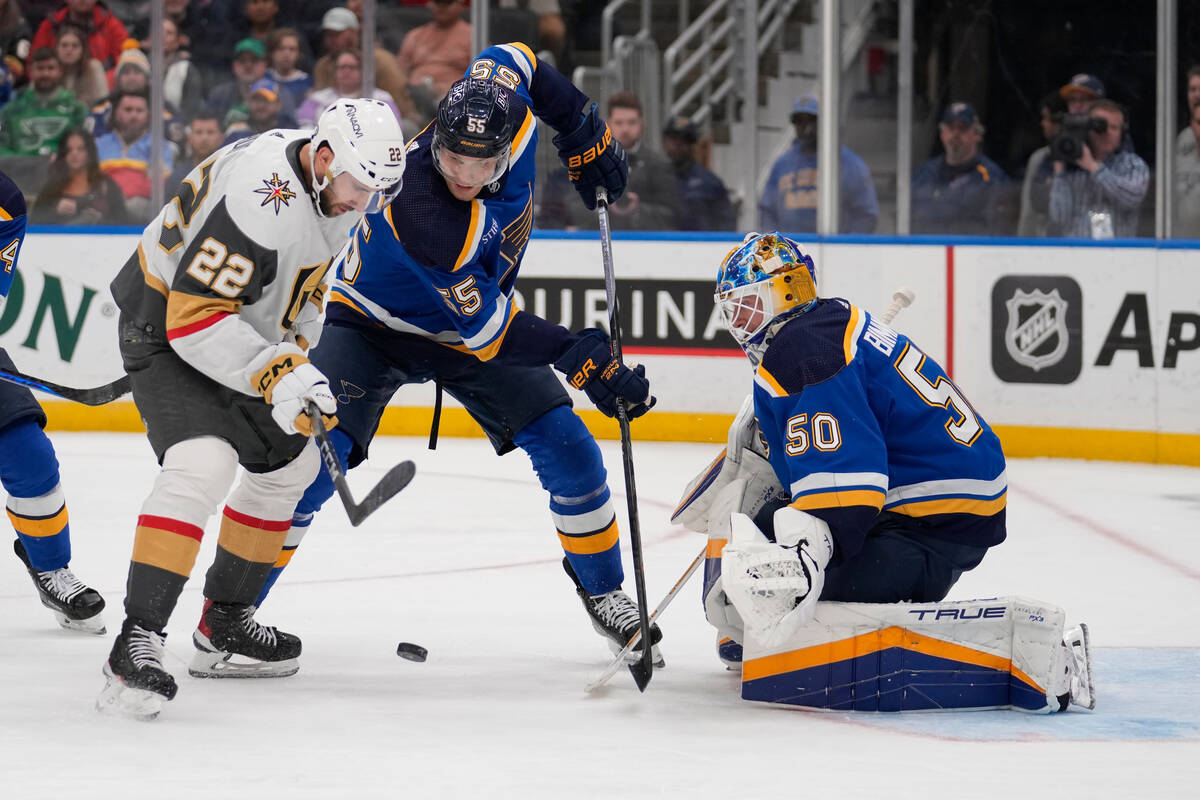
column 442, row 268
column 13, row 217
column 857, row 420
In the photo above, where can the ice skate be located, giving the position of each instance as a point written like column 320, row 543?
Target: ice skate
column 730, row 653
column 136, row 683
column 1082, row 689
column 230, row 644
column 616, row 617
column 75, row 605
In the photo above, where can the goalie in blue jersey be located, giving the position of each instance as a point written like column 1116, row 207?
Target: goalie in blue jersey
column 857, row 472
column 424, row 292
column 36, row 503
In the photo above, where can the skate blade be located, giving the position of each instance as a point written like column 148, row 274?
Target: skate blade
column 119, row 700
column 229, row 665
column 93, row 625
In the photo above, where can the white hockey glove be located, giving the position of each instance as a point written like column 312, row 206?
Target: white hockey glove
column 743, row 458
column 775, row 586
column 287, row 382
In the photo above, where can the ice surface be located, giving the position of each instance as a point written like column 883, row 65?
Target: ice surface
column 465, row 562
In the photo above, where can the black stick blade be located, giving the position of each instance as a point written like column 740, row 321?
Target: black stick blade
column 97, row 396
column 642, row 670
column 389, row 485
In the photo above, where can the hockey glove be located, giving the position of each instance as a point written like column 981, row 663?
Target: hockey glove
column 593, row 158
column 589, row 366
column 287, row 382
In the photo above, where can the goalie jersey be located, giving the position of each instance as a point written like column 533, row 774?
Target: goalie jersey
column 224, row 270
column 857, row 420
column 442, row 268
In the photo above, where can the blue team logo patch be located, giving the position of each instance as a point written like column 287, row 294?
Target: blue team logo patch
column 276, row 191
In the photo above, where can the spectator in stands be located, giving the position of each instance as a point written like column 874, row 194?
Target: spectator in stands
column 206, row 27
column 789, row 198
column 435, row 55
column 340, row 29
column 106, row 34
column 76, row 191
column 262, row 112
column 347, row 82
column 1187, row 179
column 15, row 36
column 1039, row 169
column 1080, row 91
column 183, row 85
column 82, row 74
column 125, row 152
column 551, row 29
column 703, row 199
column 132, row 74
column 35, row 120
column 204, row 137
column 961, row 191
column 1100, row 195
column 249, row 64
column 283, row 64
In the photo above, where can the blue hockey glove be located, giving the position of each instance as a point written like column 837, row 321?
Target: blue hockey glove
column 590, row 366
column 593, row 158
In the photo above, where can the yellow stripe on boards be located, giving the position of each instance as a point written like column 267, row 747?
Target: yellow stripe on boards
column 1019, row 441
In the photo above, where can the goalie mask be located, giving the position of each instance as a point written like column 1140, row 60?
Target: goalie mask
column 368, row 151
column 764, row 278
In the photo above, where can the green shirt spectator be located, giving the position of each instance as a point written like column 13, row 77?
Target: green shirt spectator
column 33, row 122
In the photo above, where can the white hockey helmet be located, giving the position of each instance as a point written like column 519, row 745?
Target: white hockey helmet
column 367, row 145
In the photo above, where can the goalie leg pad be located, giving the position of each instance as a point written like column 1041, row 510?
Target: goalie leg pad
column 977, row 654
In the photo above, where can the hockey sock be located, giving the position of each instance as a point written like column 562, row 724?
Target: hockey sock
column 568, row 464
column 36, row 503
column 246, row 550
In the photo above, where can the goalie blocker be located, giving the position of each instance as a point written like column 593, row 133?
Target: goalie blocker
column 999, row 653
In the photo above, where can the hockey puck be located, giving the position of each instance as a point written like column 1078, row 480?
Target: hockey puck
column 413, row 652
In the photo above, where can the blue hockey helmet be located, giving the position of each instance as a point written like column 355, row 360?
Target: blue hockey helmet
column 765, row 277
column 477, row 119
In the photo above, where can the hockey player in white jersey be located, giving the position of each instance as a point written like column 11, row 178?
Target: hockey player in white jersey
column 218, row 305
column 860, row 474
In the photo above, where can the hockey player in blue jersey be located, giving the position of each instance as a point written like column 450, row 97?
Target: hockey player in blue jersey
column 36, row 504
column 860, row 453
column 859, row 473
column 425, row 293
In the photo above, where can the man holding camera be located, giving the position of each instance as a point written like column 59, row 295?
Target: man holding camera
column 1099, row 183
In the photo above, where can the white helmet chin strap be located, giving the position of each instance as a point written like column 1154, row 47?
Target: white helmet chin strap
column 316, row 188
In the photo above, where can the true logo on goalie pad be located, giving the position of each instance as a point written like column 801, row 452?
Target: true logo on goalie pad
column 978, row 612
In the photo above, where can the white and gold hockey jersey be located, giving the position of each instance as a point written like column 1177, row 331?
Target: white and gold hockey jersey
column 226, row 268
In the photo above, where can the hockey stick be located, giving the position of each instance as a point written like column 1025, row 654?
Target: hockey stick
column 643, row 669
column 89, row 397
column 637, row 636
column 396, row 478
column 901, row 299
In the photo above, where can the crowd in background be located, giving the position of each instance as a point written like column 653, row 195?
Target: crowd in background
column 75, row 125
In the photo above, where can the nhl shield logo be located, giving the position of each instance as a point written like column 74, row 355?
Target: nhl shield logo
column 1036, row 334
column 1037, row 329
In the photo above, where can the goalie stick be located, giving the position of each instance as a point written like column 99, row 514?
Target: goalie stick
column 637, row 636
column 396, row 478
column 97, row 396
column 643, row 669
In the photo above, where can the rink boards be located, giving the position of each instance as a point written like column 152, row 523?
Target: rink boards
column 1068, row 350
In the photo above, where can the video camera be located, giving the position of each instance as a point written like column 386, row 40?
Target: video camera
column 1067, row 146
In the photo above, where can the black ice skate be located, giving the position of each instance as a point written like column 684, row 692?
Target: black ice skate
column 230, row 644
column 137, row 683
column 76, row 605
column 616, row 618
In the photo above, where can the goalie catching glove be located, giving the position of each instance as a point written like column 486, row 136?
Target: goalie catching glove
column 775, row 585
column 590, row 366
column 593, row 158
column 288, row 382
